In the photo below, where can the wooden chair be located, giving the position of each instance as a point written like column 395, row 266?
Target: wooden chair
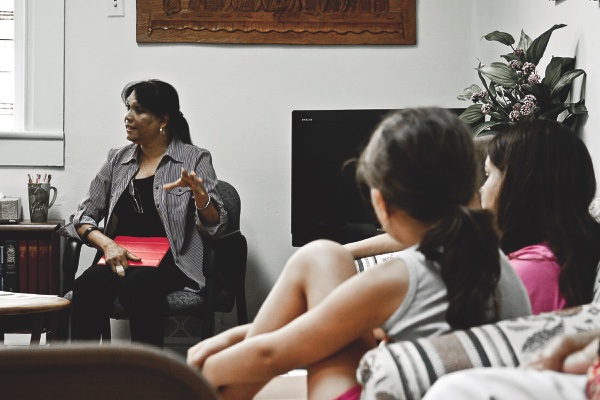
column 224, row 268
column 94, row 372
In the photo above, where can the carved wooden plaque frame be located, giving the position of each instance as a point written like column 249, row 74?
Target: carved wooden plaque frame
column 277, row 21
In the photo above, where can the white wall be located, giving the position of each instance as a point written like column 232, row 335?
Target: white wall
column 238, row 98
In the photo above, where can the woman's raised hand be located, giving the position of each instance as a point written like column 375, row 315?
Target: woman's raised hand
column 194, row 182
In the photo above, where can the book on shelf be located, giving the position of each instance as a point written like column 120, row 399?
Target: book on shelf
column 1, row 265
column 43, row 267
column 53, row 284
column 32, row 266
column 11, row 257
column 26, row 266
column 22, row 270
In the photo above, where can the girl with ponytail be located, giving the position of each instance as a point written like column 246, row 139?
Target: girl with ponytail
column 420, row 170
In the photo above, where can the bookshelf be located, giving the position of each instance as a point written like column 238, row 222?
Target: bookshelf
column 38, row 257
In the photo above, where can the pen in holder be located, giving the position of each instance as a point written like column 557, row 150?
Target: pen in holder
column 39, row 200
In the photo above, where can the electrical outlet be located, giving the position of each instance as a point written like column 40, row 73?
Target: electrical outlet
column 114, row 8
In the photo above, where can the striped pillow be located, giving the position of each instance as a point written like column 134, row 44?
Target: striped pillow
column 405, row 370
column 363, row 264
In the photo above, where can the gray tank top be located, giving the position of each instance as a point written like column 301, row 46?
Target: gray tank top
column 422, row 313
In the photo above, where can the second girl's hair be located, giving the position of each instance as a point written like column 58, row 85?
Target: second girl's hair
column 423, row 163
column 545, row 195
column 160, row 98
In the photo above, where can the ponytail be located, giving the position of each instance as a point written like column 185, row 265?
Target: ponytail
column 178, row 126
column 465, row 245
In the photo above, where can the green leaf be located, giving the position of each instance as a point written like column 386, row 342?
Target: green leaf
column 566, row 80
column 500, row 73
column 511, row 97
column 556, row 67
column 490, row 89
column 536, row 50
column 502, row 37
column 578, row 108
column 468, row 92
column 499, row 116
column 575, row 122
column 511, row 57
column 553, row 111
column 524, row 41
column 540, row 91
column 483, row 129
column 472, row 114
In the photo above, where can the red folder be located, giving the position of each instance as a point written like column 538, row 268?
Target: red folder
column 150, row 249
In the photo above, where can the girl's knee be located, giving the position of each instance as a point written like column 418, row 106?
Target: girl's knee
column 319, row 257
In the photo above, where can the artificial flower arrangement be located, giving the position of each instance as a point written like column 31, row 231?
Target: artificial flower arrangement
column 514, row 90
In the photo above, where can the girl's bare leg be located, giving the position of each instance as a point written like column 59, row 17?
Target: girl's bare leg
column 307, row 278
column 326, row 379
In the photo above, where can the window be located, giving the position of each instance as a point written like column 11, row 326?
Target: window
column 7, row 63
column 32, row 82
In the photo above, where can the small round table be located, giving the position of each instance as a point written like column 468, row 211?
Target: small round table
column 17, row 309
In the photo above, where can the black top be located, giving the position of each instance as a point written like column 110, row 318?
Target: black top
column 133, row 223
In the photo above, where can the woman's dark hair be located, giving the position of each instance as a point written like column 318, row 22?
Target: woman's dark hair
column 160, row 98
column 545, row 196
column 423, row 162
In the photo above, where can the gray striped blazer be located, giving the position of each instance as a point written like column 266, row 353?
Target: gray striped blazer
column 176, row 207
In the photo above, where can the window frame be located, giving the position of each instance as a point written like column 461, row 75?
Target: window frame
column 39, row 139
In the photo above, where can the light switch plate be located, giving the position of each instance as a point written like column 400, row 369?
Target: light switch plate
column 115, row 8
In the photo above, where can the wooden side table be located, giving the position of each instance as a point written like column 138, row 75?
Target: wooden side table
column 27, row 311
column 28, row 232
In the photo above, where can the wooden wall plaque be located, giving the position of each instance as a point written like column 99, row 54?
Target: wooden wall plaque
column 277, row 21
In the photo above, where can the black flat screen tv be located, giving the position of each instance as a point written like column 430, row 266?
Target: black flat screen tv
column 326, row 203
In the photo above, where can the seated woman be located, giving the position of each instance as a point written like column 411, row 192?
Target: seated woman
column 144, row 189
column 540, row 184
column 321, row 314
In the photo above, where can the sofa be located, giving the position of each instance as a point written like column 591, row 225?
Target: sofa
column 406, row 369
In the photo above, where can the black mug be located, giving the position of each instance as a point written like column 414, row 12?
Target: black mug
column 39, row 200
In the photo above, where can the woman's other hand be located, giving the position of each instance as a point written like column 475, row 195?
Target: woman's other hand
column 117, row 258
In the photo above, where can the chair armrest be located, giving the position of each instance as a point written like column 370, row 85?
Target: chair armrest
column 218, row 252
column 70, row 263
column 225, row 272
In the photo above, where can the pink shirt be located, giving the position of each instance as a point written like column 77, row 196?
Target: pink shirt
column 539, row 270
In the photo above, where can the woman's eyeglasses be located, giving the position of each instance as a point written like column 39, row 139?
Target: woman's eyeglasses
column 137, row 201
